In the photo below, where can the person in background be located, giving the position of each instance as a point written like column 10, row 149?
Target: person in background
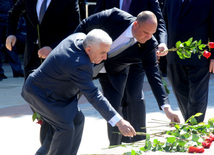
column 133, row 103
column 52, row 90
column 10, row 56
column 190, row 77
column 48, row 22
column 122, row 28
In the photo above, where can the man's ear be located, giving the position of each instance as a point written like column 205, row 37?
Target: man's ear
column 135, row 23
column 88, row 49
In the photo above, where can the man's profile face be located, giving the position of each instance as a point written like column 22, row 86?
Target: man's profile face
column 143, row 31
column 98, row 53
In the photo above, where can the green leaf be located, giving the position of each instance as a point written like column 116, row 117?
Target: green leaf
column 34, row 116
column 193, row 121
column 211, row 121
column 143, row 149
column 171, row 139
column 181, row 142
column 199, row 42
column 147, row 137
column 178, row 44
column 195, row 137
column 188, row 42
column 177, row 126
column 155, row 141
column 185, row 136
column 198, row 114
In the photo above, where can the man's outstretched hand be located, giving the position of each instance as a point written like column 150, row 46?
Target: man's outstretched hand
column 171, row 115
column 125, row 128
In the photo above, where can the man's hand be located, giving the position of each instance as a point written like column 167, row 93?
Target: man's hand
column 10, row 42
column 125, row 128
column 44, row 52
column 171, row 115
column 211, row 66
column 162, row 50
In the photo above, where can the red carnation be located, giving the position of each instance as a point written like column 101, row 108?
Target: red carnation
column 211, row 44
column 206, row 144
column 40, row 122
column 193, row 149
column 206, row 54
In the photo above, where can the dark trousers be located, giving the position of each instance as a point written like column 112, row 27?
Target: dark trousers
column 62, row 138
column 11, row 56
column 113, row 86
column 134, row 109
column 190, row 84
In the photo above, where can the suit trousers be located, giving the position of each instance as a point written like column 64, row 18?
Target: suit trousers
column 190, row 85
column 113, row 86
column 65, row 138
column 134, row 109
column 33, row 63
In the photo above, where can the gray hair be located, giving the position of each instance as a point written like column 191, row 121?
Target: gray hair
column 95, row 37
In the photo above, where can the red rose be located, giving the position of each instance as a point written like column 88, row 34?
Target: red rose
column 212, row 136
column 40, row 122
column 206, row 54
column 193, row 149
column 208, row 139
column 206, row 144
column 211, row 44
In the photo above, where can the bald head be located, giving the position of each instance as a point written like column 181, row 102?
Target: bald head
column 146, row 16
column 144, row 26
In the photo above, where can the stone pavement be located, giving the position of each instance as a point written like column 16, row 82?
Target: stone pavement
column 20, row 136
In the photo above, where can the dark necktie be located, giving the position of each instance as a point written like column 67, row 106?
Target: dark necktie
column 184, row 4
column 42, row 10
column 98, row 67
column 126, row 5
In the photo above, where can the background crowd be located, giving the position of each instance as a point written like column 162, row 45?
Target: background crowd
column 19, row 25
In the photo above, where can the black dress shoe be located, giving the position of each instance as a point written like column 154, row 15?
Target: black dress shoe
column 18, row 75
column 2, row 76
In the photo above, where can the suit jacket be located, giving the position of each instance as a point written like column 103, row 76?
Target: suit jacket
column 136, row 7
column 115, row 22
column 5, row 6
column 52, row 91
column 60, row 20
column 196, row 21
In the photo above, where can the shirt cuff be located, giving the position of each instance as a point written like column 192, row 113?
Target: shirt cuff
column 116, row 118
column 165, row 105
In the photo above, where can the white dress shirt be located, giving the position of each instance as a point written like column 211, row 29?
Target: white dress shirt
column 38, row 6
column 121, row 3
column 120, row 41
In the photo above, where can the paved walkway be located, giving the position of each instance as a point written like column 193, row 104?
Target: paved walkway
column 20, row 136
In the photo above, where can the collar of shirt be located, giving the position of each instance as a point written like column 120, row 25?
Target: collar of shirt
column 38, row 6
column 122, row 39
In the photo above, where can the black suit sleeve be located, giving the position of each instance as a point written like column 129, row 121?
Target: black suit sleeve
column 100, row 6
column 13, row 16
column 161, row 33
column 72, row 20
column 94, row 21
column 149, row 61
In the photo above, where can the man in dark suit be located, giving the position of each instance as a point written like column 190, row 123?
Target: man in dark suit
column 11, row 56
column 52, row 91
column 133, row 100
column 120, row 25
column 60, row 19
column 190, row 77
